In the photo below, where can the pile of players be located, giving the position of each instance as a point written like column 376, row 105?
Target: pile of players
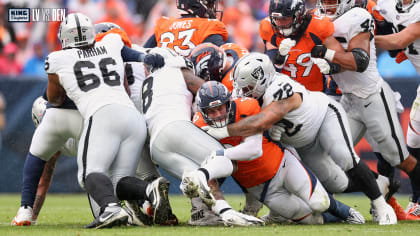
column 283, row 124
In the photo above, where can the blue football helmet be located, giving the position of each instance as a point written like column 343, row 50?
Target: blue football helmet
column 213, row 94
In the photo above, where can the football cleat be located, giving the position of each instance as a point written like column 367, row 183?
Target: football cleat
column 414, row 209
column 113, row 215
column 355, row 217
column 252, row 205
column 194, row 183
column 23, row 216
column 384, row 215
column 136, row 215
column 201, row 215
column 399, row 211
column 158, row 197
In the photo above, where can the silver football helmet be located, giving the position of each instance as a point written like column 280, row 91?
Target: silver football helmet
column 335, row 8
column 401, row 7
column 252, row 74
column 76, row 30
column 38, row 109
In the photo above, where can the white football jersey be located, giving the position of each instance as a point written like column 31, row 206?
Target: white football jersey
column 165, row 96
column 347, row 26
column 136, row 74
column 301, row 125
column 94, row 77
column 400, row 21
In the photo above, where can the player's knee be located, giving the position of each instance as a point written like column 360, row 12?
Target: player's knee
column 336, row 184
column 319, row 201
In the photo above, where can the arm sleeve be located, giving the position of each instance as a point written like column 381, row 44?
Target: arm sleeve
column 215, row 39
column 131, row 55
column 248, row 150
column 151, row 42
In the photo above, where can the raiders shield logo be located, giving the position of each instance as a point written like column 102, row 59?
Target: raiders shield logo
column 258, row 73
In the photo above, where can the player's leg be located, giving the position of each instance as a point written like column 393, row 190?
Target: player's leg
column 98, row 148
column 48, row 138
column 335, row 129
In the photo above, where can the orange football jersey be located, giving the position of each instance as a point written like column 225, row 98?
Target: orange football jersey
column 236, row 52
column 183, row 34
column 257, row 171
column 298, row 65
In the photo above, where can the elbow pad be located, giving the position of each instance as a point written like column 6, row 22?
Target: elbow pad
column 362, row 59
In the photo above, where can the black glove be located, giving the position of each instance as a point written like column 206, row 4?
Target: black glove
column 318, row 51
column 154, row 60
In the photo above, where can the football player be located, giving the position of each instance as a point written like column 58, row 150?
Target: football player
column 367, row 98
column 310, row 121
column 405, row 20
column 289, row 33
column 198, row 24
column 279, row 180
column 99, row 95
column 216, row 63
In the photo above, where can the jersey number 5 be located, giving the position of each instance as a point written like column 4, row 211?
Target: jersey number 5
column 90, row 81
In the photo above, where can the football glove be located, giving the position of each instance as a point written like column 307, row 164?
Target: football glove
column 231, row 217
column 275, row 132
column 156, row 61
column 286, row 45
column 217, row 133
column 322, row 64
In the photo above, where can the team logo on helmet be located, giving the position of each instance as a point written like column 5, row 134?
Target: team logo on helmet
column 258, row 73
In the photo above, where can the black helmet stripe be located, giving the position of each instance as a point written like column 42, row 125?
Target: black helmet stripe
column 79, row 29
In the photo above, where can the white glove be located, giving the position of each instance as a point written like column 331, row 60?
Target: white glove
column 234, row 218
column 398, row 106
column 275, row 132
column 217, row 133
column 286, row 45
column 322, row 64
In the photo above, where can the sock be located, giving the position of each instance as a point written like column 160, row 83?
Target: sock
column 100, row 187
column 131, row 188
column 365, row 179
column 338, row 209
column 384, row 168
column 415, row 182
column 218, row 167
column 415, row 197
column 32, row 171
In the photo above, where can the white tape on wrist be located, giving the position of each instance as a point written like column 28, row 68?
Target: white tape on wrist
column 329, row 55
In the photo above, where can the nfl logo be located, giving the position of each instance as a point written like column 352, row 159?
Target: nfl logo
column 19, row 15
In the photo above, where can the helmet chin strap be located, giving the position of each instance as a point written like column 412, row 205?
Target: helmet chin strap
column 286, row 32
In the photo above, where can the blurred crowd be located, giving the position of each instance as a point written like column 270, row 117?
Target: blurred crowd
column 24, row 46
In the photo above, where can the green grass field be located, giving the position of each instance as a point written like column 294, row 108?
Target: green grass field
column 67, row 214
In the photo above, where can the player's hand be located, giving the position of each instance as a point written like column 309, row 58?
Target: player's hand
column 234, row 218
column 154, row 60
column 275, row 132
column 217, row 133
column 286, row 45
column 323, row 65
column 318, row 51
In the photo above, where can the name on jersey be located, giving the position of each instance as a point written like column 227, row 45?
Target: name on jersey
column 91, row 52
column 186, row 24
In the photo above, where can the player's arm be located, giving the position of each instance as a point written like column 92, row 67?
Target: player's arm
column 249, row 149
column 44, row 184
column 215, row 39
column 266, row 118
column 357, row 56
column 193, row 82
column 55, row 92
column 151, row 42
column 399, row 40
